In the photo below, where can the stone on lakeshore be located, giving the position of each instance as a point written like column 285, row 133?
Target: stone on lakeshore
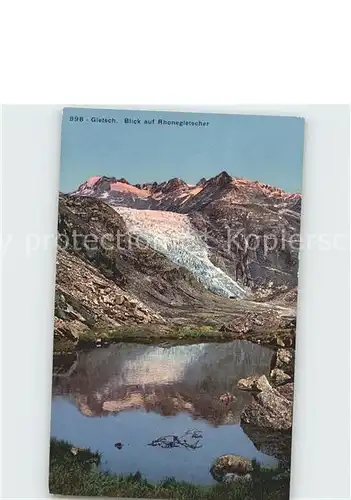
column 279, row 377
column 254, row 383
column 269, row 410
column 230, row 464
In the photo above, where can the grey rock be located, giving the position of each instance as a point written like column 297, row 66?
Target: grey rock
column 235, row 465
column 279, row 377
column 254, row 383
column 269, row 410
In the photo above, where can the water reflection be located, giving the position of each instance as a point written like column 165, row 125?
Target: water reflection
column 166, row 380
column 135, row 394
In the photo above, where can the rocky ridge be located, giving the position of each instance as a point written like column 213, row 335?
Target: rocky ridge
column 250, row 228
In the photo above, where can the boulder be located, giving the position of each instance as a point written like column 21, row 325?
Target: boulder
column 254, row 383
column 279, row 377
column 232, row 477
column 119, row 299
column 269, row 410
column 267, row 323
column 287, row 391
column 70, row 329
column 273, row 443
column 230, row 464
column 284, row 359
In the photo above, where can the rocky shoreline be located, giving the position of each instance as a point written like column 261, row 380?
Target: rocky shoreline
column 75, row 471
column 267, row 420
column 266, row 327
column 152, row 334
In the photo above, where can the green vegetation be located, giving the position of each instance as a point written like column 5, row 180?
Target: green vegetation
column 74, row 472
column 60, row 451
column 150, row 334
column 155, row 332
column 161, row 333
column 64, row 346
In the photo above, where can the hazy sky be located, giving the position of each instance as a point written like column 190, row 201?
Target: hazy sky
column 264, row 148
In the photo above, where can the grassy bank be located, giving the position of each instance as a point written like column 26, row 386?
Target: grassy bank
column 144, row 334
column 74, row 472
column 159, row 334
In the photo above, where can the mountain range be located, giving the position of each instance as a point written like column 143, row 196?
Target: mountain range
column 220, row 210
column 177, row 249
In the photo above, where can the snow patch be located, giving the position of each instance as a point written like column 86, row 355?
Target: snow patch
column 93, row 180
column 128, row 188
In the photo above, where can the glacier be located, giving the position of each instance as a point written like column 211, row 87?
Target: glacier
column 172, row 235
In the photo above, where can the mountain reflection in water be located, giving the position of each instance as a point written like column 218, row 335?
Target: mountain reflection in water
column 166, row 380
column 144, row 392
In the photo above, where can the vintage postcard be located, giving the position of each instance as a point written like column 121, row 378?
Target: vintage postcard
column 175, row 304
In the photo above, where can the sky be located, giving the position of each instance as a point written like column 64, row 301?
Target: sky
column 262, row 148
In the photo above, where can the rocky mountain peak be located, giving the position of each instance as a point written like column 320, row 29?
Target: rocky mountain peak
column 201, row 182
column 221, row 179
column 173, row 185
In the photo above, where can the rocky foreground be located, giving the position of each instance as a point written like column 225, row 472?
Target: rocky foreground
column 74, row 471
column 267, row 420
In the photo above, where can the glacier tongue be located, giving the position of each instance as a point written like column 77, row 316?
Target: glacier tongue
column 172, row 234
